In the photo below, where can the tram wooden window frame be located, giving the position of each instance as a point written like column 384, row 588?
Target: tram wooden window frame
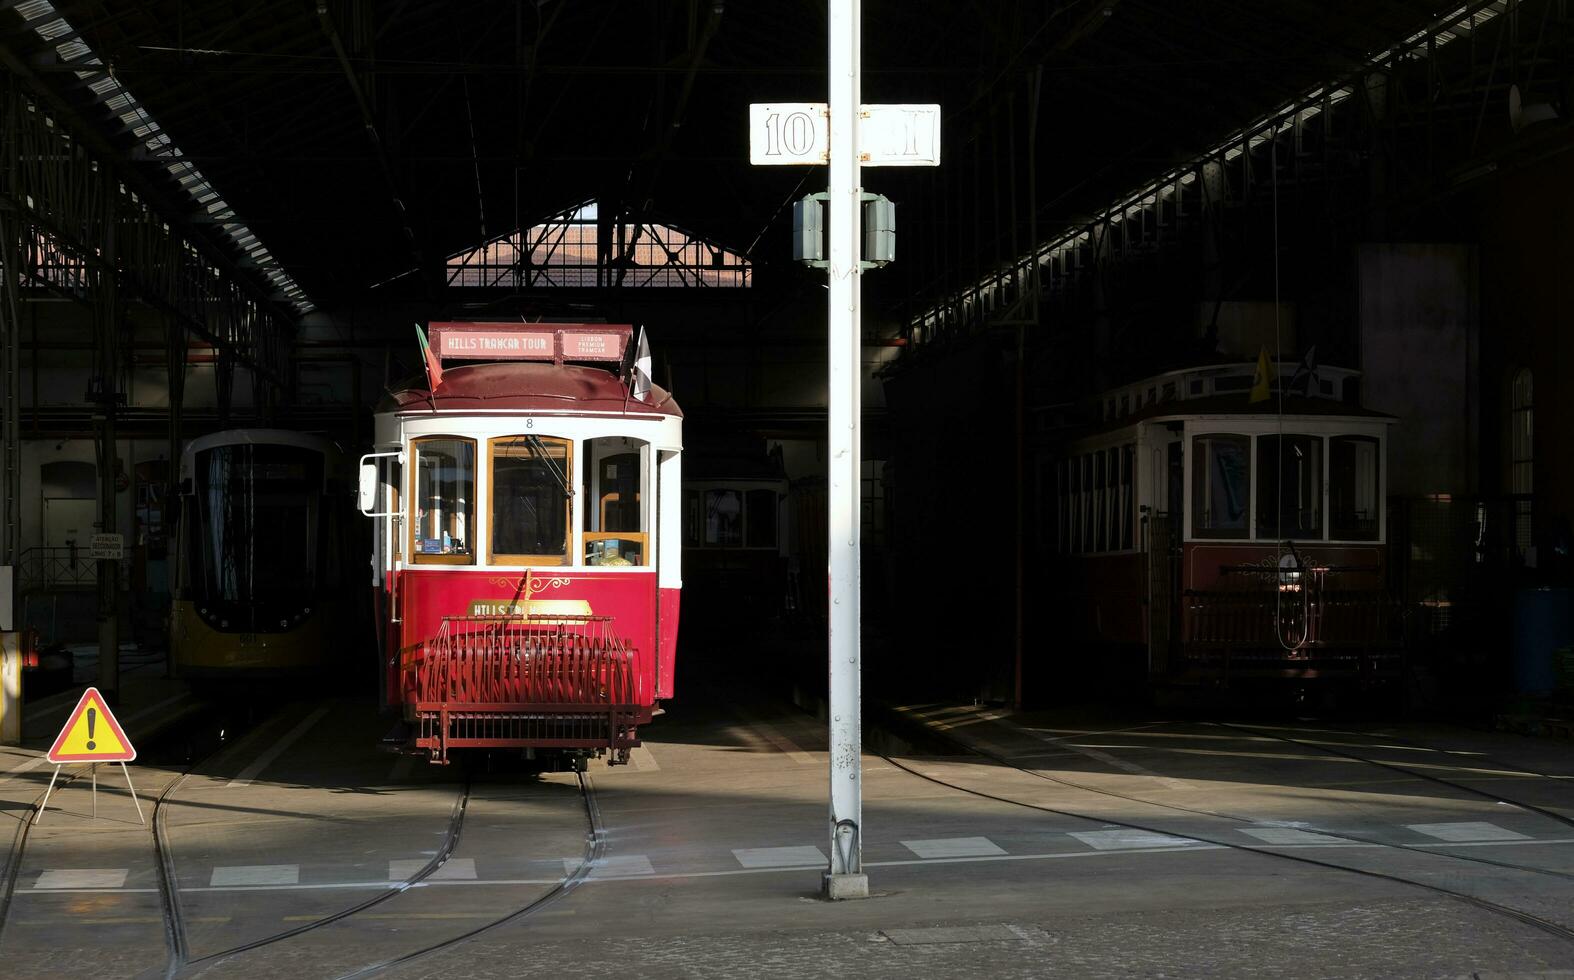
column 1095, row 500
column 504, row 558
column 414, row 556
column 1195, row 504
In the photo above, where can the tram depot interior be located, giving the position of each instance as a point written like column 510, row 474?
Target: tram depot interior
column 414, row 424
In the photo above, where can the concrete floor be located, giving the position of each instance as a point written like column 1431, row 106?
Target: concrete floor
column 1168, row 855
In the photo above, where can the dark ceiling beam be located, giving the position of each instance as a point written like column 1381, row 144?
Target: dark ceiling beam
column 381, row 151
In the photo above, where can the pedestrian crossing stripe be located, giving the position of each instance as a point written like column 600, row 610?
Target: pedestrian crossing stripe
column 91, row 734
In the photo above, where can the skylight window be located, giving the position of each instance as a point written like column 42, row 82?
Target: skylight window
column 565, row 250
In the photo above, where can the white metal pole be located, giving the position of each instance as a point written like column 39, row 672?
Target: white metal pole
column 845, row 878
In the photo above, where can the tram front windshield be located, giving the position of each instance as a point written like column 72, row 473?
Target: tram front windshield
column 258, row 523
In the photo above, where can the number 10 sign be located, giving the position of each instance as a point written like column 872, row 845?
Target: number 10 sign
column 888, row 135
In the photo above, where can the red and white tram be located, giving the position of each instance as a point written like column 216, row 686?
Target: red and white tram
column 1223, row 540
column 528, row 541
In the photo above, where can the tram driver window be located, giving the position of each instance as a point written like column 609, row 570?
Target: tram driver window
column 444, row 501
column 1290, row 488
column 615, row 519
column 531, row 479
column 1352, row 488
column 1220, row 486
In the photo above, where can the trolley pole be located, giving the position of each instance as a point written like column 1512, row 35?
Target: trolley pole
column 845, row 878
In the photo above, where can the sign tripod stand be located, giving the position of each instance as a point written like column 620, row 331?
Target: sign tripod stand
column 92, row 735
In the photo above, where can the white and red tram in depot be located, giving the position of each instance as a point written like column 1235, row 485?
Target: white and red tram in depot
column 1222, row 540
column 527, row 550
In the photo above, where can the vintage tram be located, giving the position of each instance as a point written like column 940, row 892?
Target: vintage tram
column 735, row 545
column 260, row 586
column 527, row 549
column 1203, row 538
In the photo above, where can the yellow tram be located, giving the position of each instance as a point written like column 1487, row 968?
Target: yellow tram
column 260, row 586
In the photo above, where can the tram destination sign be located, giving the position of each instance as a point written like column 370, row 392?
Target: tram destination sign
column 796, row 133
column 530, row 341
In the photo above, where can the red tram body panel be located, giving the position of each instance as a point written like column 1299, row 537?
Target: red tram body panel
column 528, row 550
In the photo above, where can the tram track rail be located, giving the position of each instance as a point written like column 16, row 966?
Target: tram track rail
column 595, row 851
column 445, row 851
column 1344, row 836
column 1323, row 746
column 1525, row 918
column 18, row 847
column 595, row 848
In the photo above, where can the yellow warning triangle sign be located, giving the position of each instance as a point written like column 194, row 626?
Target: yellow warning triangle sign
column 92, row 734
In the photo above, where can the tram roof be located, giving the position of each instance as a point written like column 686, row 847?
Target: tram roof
column 260, row 437
column 1236, row 405
column 529, row 387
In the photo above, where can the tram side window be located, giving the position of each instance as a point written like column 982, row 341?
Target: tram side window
column 444, row 501
column 1094, row 501
column 1290, row 487
column 531, row 477
column 1352, row 488
column 1100, row 501
column 615, row 528
column 1220, row 485
column 1128, row 478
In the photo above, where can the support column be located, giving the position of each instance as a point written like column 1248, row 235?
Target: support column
column 845, row 879
column 106, row 390
column 10, row 412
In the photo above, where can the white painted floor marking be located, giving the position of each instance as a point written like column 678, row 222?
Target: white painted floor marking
column 951, row 847
column 256, row 874
column 817, row 865
column 277, row 749
column 776, row 857
column 1120, row 840
column 454, row 869
column 786, row 745
column 94, row 878
column 617, row 866
column 642, row 760
column 1286, row 835
column 1468, row 831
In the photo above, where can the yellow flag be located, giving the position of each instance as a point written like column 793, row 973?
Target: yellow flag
column 1260, row 383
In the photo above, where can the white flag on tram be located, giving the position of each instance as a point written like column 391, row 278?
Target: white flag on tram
column 639, row 383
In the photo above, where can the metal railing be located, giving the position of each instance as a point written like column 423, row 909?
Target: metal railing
column 563, row 682
column 44, row 569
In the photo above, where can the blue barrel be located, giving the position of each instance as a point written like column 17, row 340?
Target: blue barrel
column 1543, row 622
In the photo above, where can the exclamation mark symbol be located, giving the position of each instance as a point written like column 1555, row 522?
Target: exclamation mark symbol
column 92, row 717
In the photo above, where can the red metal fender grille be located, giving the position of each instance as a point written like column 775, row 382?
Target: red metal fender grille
column 541, row 681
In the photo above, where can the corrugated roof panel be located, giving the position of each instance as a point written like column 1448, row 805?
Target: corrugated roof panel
column 34, row 9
